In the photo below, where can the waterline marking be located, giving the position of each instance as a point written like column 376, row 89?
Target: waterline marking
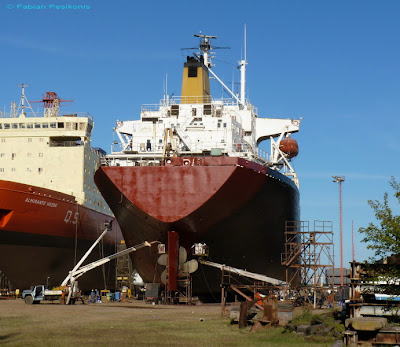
column 47, row 7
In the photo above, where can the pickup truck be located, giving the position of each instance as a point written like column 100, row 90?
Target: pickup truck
column 40, row 293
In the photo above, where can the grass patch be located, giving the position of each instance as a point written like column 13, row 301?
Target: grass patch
column 102, row 325
column 303, row 318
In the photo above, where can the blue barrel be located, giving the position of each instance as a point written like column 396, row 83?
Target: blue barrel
column 117, row 295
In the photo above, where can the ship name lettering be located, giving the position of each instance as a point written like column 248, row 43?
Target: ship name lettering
column 35, row 201
column 41, row 202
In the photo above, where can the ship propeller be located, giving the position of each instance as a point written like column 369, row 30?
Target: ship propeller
column 185, row 267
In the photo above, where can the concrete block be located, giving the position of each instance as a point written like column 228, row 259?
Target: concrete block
column 303, row 328
column 284, row 317
column 366, row 323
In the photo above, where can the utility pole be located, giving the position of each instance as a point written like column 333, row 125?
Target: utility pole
column 340, row 180
column 352, row 239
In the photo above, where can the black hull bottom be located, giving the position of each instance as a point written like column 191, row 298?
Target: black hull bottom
column 26, row 266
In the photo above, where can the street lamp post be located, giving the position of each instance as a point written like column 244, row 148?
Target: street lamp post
column 340, row 180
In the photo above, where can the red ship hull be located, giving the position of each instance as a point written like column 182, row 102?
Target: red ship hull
column 237, row 207
column 43, row 233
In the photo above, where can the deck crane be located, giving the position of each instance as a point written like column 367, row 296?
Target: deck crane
column 51, row 103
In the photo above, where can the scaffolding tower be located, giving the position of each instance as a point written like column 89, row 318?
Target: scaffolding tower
column 123, row 270
column 308, row 253
column 4, row 285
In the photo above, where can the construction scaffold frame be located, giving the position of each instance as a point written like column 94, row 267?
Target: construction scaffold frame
column 308, row 254
column 4, row 285
column 124, row 270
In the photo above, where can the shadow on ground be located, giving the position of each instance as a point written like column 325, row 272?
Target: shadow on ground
column 6, row 338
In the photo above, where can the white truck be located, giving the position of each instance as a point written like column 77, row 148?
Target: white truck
column 40, row 293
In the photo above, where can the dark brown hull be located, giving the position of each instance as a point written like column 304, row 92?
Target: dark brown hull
column 238, row 208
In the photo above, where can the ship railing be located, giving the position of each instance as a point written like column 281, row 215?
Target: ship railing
column 241, row 147
column 16, row 114
column 123, row 159
column 176, row 100
column 38, row 114
column 78, row 114
column 155, row 159
column 237, row 119
column 118, row 147
column 263, row 155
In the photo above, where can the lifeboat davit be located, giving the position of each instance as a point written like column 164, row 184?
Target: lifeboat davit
column 289, row 147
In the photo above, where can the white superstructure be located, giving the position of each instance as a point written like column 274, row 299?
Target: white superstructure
column 195, row 124
column 51, row 151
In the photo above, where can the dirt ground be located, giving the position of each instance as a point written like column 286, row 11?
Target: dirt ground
column 133, row 309
column 129, row 323
column 103, row 324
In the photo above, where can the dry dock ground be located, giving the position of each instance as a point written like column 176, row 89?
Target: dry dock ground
column 130, row 324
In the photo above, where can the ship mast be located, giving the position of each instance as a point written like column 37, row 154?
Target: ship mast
column 243, row 64
column 23, row 99
column 205, row 47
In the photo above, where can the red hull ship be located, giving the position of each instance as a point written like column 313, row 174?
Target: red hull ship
column 191, row 166
column 238, row 208
column 43, row 231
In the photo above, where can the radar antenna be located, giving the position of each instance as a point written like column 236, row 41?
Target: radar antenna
column 205, row 47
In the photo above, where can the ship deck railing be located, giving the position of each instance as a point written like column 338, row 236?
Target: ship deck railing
column 263, row 154
column 10, row 116
column 203, row 147
column 177, row 100
column 128, row 158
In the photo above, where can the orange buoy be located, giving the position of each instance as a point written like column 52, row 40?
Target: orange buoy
column 289, row 147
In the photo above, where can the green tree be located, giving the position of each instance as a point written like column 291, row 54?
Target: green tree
column 384, row 238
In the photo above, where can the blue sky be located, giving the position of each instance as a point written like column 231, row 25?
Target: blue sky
column 333, row 63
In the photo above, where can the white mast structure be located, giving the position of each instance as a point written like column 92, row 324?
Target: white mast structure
column 13, row 110
column 23, row 99
column 243, row 64
column 205, row 47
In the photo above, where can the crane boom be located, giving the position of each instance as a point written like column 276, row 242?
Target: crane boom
column 241, row 272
